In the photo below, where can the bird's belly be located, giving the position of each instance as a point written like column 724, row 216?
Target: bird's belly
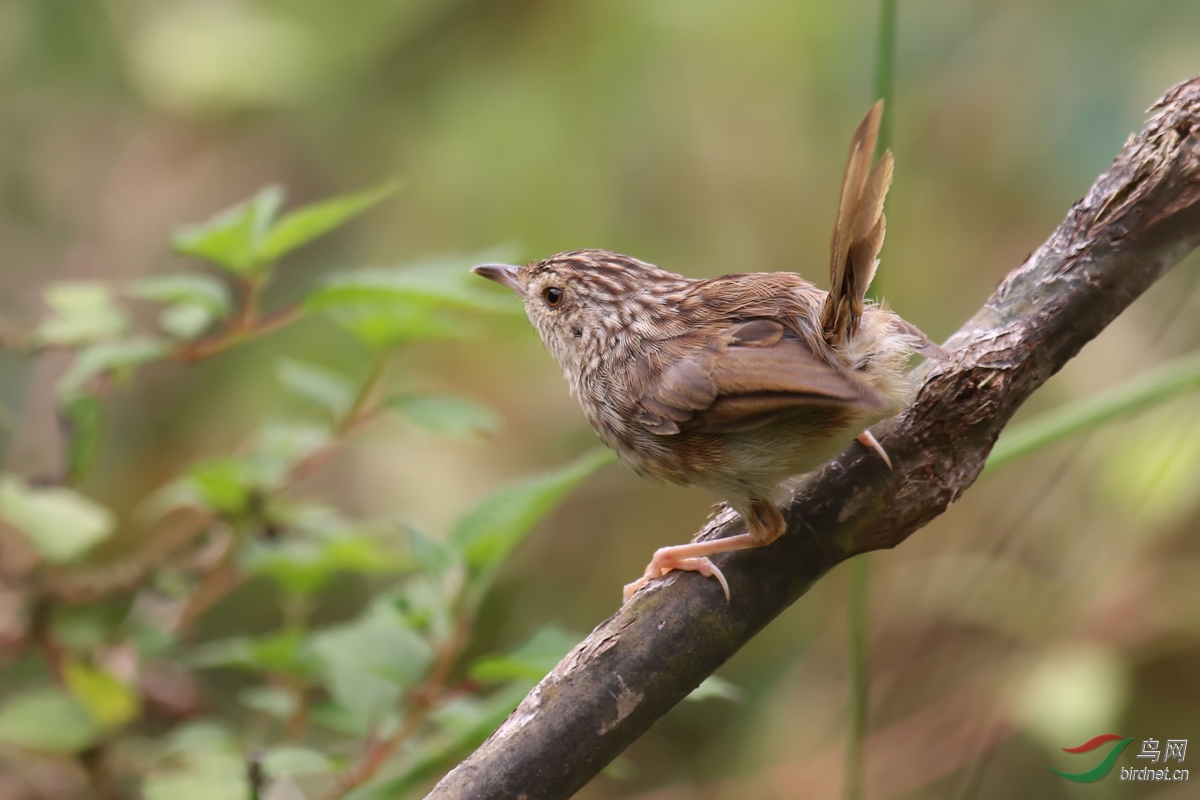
column 750, row 462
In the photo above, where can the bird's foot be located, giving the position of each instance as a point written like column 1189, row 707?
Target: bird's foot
column 679, row 557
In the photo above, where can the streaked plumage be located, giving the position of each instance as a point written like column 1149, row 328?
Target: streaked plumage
column 734, row 383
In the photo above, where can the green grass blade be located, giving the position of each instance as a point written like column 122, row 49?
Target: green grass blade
column 860, row 673
column 1145, row 391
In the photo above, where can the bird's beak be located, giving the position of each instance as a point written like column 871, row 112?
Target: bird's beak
column 504, row 274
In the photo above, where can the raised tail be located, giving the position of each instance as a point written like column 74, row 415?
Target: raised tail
column 858, row 233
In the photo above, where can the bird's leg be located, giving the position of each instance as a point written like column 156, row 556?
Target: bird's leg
column 764, row 524
column 868, row 439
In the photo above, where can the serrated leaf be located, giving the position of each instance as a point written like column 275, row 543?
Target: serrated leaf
column 531, row 661
column 106, row 357
column 232, row 238
column 447, row 415
column 285, row 761
column 489, row 532
column 47, row 720
column 60, row 523
column 82, row 416
column 110, row 702
column 185, row 321
column 301, row 226
column 188, row 288
column 324, row 387
column 81, row 312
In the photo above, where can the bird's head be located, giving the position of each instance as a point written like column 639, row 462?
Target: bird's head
column 588, row 304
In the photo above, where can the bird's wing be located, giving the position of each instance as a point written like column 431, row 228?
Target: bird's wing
column 748, row 375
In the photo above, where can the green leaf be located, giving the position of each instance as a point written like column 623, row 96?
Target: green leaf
column 233, row 237
column 447, row 415
column 531, row 661
column 82, row 313
column 324, row 387
column 301, row 226
column 489, row 532
column 444, row 283
column 83, row 418
column 286, row 761
column 379, row 644
column 83, row 628
column 279, row 447
column 220, row 484
column 185, row 288
column 432, row 556
column 367, row 663
column 382, row 326
column 184, row 321
column 227, row 485
column 106, row 357
column 714, row 686
column 47, row 720
column 386, row 307
column 199, row 761
column 286, row 652
column 60, row 523
column 464, row 725
column 303, row 567
column 270, row 700
column 110, row 702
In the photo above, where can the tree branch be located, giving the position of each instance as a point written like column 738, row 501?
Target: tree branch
column 1139, row 219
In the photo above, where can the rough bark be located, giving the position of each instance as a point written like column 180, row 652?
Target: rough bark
column 1139, row 218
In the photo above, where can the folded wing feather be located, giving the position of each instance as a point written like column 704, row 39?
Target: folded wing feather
column 749, row 376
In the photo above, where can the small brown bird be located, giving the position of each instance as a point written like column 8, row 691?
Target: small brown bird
column 736, row 383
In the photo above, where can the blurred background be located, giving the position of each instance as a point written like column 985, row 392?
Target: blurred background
column 1056, row 601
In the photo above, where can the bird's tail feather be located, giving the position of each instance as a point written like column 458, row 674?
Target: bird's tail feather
column 858, row 232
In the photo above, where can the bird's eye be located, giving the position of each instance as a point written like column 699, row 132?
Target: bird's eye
column 553, row 296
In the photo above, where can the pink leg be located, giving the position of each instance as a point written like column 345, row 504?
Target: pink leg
column 764, row 524
column 693, row 557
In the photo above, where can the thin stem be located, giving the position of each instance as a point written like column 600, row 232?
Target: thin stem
column 238, row 333
column 860, row 677
column 859, row 624
column 363, row 411
column 368, row 396
column 885, row 63
column 253, row 287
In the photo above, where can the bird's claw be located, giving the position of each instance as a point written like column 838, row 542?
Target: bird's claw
column 664, row 562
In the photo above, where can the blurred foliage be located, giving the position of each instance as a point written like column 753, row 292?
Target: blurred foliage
column 220, row 477
column 334, row 704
